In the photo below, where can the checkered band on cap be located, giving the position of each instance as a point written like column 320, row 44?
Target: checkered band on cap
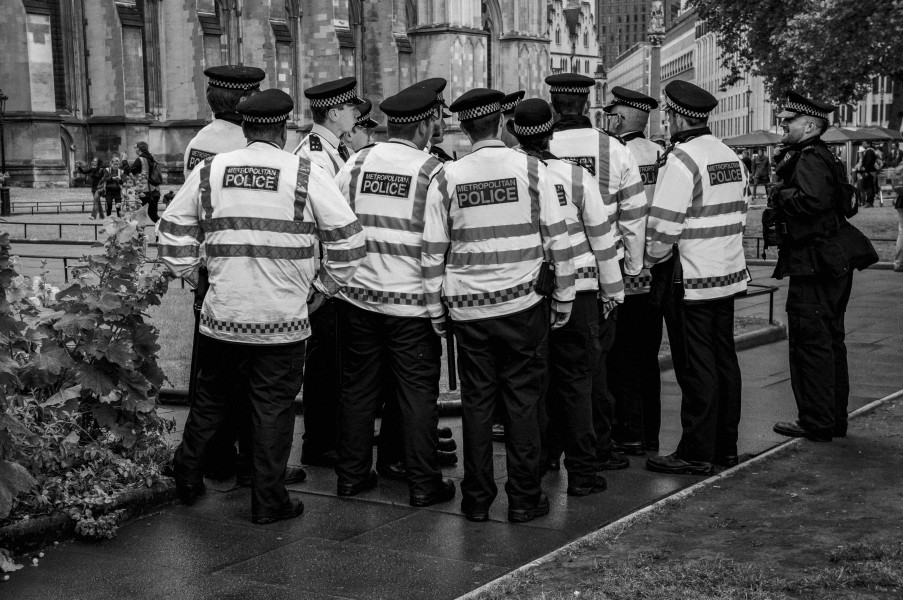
column 534, row 129
column 411, row 118
column 271, row 119
column 806, row 110
column 559, row 89
column 232, row 85
column 440, row 98
column 509, row 106
column 634, row 104
column 480, row 111
column 343, row 98
column 694, row 114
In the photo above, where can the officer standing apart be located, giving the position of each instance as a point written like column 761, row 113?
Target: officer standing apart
column 496, row 215
column 227, row 85
column 615, row 170
column 573, row 348
column 695, row 237
column 437, row 85
column 819, row 253
column 334, row 110
column 390, row 342
column 633, row 373
column 509, row 103
column 260, row 212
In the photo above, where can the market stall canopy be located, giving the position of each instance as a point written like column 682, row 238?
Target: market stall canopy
column 840, row 135
column 756, row 138
column 885, row 133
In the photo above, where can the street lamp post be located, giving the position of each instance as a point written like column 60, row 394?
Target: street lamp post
column 4, row 189
column 748, row 110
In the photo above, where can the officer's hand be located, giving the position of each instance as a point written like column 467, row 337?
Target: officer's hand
column 315, row 301
column 439, row 326
column 561, row 314
column 608, row 307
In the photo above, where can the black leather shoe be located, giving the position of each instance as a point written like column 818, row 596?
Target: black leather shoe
column 447, row 445
column 796, row 430
column 593, row 486
column 327, row 459
column 353, row 489
column 526, row 515
column 726, row 460
column 294, row 510
column 674, row 465
column 447, row 459
column 632, row 448
column 477, row 516
column 498, row 432
column 651, row 446
column 394, row 471
column 444, row 432
column 445, row 493
column 292, row 475
column 613, row 462
column 189, row 492
column 840, row 431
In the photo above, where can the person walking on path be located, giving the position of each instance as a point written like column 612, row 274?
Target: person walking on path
column 112, row 185
column 761, row 172
column 261, row 213
column 818, row 254
column 95, row 173
column 694, row 239
column 146, row 163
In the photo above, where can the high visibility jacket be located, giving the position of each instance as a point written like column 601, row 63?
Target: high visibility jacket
column 618, row 176
column 321, row 147
column 260, row 212
column 217, row 137
column 700, row 205
column 386, row 186
column 495, row 213
column 646, row 154
column 589, row 229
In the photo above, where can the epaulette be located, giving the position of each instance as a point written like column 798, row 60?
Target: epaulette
column 315, row 143
column 663, row 158
column 614, row 135
column 440, row 154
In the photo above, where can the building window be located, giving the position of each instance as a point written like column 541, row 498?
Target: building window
column 586, row 66
column 558, row 35
column 585, row 39
column 576, row 66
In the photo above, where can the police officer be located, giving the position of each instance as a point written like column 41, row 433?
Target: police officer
column 437, row 85
column 618, row 177
column 361, row 135
column 573, row 349
column 495, row 213
column 818, row 255
column 334, row 109
column 387, row 326
column 227, row 85
column 261, row 212
column 632, row 364
column 509, row 103
column 695, row 237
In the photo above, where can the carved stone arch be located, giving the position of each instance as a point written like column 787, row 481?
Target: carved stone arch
column 491, row 22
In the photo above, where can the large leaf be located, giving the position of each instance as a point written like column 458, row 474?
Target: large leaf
column 120, row 353
column 72, row 323
column 134, row 383
column 94, row 377
column 14, row 479
column 63, row 396
column 105, row 415
column 144, row 341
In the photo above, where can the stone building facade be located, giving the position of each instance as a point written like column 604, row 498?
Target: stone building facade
column 574, row 47
column 91, row 78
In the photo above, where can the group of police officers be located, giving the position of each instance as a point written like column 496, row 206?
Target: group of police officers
column 551, row 253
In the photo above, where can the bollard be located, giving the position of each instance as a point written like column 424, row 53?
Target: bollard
column 5, row 206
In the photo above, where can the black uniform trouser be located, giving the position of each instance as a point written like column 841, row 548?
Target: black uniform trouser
column 152, row 200
column 818, row 355
column 633, row 372
column 391, row 433
column 412, row 350
column 603, row 401
column 323, row 383
column 272, row 375
column 705, row 363
column 573, row 351
column 502, row 359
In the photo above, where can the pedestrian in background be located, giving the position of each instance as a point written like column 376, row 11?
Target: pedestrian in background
column 94, row 174
column 112, row 185
column 761, row 172
column 150, row 193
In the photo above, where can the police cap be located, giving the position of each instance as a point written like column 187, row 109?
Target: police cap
column 410, row 105
column 689, row 100
column 364, row 120
column 476, row 103
column 437, row 84
column 269, row 106
column 234, row 77
column 625, row 97
column 532, row 118
column 570, row 83
column 510, row 102
column 332, row 93
column 797, row 104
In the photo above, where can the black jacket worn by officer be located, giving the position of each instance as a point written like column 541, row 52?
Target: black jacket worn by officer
column 818, row 251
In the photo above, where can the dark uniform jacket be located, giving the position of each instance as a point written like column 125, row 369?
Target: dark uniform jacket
column 819, row 239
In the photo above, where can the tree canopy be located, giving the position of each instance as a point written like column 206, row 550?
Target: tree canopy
column 828, row 49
